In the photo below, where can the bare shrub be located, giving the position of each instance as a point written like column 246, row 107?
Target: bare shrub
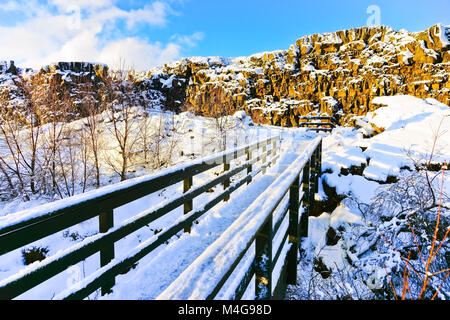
column 121, row 106
column 157, row 139
column 21, row 135
column 217, row 108
column 317, row 281
column 406, row 237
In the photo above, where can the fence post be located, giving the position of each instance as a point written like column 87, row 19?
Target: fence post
column 274, row 148
column 263, row 260
column 305, row 200
column 105, row 222
column 313, row 184
column 317, row 168
column 319, row 172
column 188, row 205
column 226, row 183
column 264, row 157
column 293, row 231
column 248, row 154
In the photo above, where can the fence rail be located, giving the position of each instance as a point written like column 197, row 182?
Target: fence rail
column 316, row 123
column 258, row 226
column 25, row 227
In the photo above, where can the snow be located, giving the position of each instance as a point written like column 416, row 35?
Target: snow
column 216, row 260
column 308, row 67
column 444, row 34
column 344, row 157
column 167, row 83
column 342, row 215
column 333, row 256
column 407, row 56
column 49, row 208
column 357, row 162
column 86, row 232
column 410, row 126
column 188, row 266
column 178, row 255
column 352, row 185
column 204, row 144
column 317, row 228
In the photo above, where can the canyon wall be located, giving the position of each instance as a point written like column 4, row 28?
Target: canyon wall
column 336, row 74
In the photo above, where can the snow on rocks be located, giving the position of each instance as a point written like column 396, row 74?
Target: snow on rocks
column 352, row 186
column 244, row 118
column 444, row 34
column 410, row 127
column 386, row 143
column 344, row 157
column 332, row 255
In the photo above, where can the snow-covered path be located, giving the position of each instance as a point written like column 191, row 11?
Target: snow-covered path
column 159, row 270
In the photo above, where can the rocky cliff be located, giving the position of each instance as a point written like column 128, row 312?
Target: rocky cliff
column 336, row 74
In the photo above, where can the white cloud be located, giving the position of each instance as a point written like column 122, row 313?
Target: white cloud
column 64, row 5
column 82, row 47
column 189, row 40
column 138, row 54
column 47, row 36
column 10, row 6
column 33, row 39
column 154, row 14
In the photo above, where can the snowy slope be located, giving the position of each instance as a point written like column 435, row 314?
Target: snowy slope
column 200, row 141
column 409, row 124
column 409, row 127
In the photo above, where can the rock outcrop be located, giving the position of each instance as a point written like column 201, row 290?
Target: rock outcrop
column 336, row 74
column 8, row 67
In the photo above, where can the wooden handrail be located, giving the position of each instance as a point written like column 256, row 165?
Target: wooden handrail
column 331, row 119
column 318, row 126
column 255, row 226
column 28, row 226
column 301, row 124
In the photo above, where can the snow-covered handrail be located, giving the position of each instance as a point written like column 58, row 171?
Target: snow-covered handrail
column 28, row 226
column 204, row 278
column 107, row 197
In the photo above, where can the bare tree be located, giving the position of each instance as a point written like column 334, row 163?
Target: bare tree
column 20, row 127
column 84, row 154
column 92, row 128
column 163, row 141
column 121, row 104
column 11, row 162
column 217, row 107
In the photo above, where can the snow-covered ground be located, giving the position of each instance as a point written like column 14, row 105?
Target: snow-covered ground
column 198, row 138
column 357, row 162
column 411, row 126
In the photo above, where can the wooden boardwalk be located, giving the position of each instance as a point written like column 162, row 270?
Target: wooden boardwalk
column 298, row 184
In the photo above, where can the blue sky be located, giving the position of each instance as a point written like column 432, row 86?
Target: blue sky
column 150, row 33
column 243, row 27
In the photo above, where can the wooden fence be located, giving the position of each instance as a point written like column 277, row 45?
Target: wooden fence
column 319, row 123
column 24, row 228
column 298, row 184
column 49, row 219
